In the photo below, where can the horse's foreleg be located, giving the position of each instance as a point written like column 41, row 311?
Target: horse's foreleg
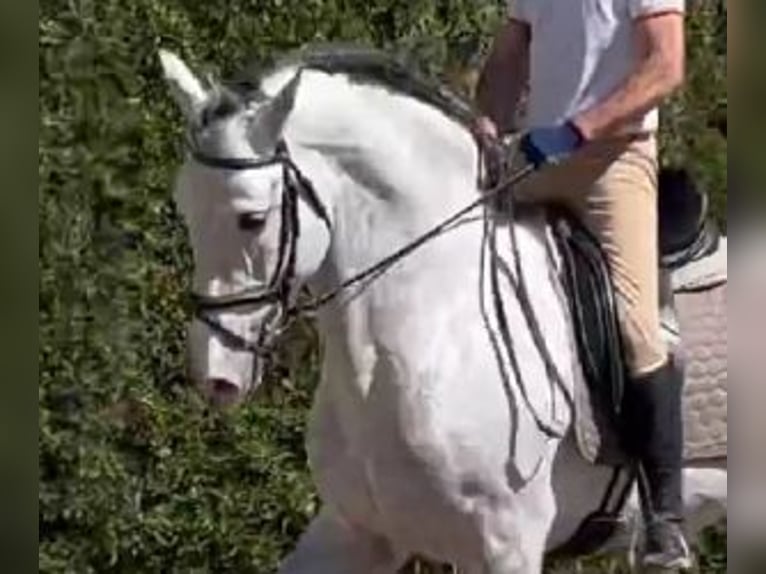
column 526, row 558
column 516, row 537
column 523, row 557
column 330, row 546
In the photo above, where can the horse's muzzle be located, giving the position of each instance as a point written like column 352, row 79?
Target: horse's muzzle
column 222, row 393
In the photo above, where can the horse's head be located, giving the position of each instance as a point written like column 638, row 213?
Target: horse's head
column 256, row 226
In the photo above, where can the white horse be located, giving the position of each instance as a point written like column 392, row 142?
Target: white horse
column 420, row 439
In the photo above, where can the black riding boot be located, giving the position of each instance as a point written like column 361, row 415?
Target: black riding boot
column 653, row 405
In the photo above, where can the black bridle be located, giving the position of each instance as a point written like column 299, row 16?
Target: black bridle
column 279, row 290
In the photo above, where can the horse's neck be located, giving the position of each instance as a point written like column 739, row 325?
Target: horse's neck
column 403, row 165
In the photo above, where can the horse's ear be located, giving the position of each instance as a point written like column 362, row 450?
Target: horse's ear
column 273, row 114
column 187, row 90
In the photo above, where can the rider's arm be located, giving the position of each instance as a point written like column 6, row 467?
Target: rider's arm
column 505, row 74
column 659, row 38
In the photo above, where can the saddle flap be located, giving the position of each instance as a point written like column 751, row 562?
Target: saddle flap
column 599, row 393
column 591, row 297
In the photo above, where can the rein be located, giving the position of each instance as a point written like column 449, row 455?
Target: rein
column 279, row 291
column 384, row 264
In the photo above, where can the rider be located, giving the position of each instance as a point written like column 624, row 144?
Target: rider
column 596, row 72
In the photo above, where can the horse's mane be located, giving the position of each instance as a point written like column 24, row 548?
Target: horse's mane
column 371, row 66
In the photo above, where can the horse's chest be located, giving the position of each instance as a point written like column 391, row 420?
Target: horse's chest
column 413, row 464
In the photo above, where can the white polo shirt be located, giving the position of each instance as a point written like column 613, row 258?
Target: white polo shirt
column 581, row 51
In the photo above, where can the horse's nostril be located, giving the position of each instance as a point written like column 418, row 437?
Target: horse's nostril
column 222, row 392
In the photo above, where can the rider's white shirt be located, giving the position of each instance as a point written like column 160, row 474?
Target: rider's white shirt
column 581, row 51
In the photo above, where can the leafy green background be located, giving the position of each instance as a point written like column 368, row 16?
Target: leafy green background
column 136, row 474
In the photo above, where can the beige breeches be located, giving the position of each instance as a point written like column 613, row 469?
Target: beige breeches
column 612, row 187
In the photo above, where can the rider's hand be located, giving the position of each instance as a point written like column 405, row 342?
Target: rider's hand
column 551, row 145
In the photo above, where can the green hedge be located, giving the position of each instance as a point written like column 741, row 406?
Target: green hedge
column 136, row 475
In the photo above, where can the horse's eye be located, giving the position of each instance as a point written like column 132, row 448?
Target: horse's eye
column 252, row 221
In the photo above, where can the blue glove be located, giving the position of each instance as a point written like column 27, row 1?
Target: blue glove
column 551, row 145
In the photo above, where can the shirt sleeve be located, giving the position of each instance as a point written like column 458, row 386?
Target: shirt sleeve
column 517, row 10
column 639, row 8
